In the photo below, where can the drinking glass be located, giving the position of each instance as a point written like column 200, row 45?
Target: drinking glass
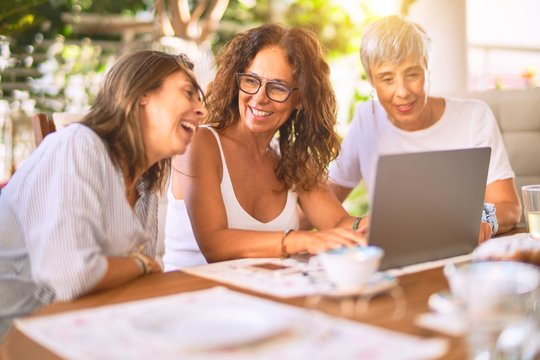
column 499, row 301
column 531, row 204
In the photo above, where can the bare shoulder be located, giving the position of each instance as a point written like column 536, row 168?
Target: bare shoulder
column 204, row 140
column 203, row 153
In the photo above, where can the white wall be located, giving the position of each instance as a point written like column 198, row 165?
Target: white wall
column 445, row 21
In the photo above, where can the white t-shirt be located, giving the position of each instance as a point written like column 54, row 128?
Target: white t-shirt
column 464, row 124
column 181, row 248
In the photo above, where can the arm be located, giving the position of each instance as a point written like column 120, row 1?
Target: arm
column 68, row 246
column 333, row 216
column 503, row 194
column 121, row 270
column 199, row 177
column 339, row 191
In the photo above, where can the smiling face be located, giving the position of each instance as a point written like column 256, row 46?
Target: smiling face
column 257, row 112
column 402, row 91
column 170, row 116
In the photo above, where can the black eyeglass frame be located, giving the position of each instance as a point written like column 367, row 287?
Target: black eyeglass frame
column 260, row 80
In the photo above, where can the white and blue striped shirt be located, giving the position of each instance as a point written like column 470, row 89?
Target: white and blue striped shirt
column 63, row 212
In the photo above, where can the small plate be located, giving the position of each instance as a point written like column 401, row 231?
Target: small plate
column 378, row 283
column 208, row 328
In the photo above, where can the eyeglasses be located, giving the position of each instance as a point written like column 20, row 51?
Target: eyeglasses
column 276, row 91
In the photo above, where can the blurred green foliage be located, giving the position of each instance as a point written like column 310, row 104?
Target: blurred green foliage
column 336, row 27
column 21, row 20
column 332, row 24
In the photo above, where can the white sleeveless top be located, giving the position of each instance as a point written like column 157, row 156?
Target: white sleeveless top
column 181, row 249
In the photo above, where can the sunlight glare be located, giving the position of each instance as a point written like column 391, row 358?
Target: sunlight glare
column 384, row 7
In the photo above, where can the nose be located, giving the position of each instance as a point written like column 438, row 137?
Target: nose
column 260, row 95
column 200, row 111
column 401, row 88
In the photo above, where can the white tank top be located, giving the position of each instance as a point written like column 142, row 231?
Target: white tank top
column 181, row 249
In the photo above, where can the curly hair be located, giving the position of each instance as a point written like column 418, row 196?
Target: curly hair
column 115, row 113
column 307, row 140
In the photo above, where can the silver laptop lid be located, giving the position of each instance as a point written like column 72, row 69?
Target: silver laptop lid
column 428, row 206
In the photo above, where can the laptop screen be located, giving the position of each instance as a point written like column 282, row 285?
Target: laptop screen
column 428, row 206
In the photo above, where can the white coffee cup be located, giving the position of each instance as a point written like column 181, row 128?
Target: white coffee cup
column 351, row 268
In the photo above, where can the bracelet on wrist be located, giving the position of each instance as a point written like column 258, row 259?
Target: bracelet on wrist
column 356, row 223
column 489, row 215
column 143, row 262
column 284, row 253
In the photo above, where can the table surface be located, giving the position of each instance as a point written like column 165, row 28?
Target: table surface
column 417, row 287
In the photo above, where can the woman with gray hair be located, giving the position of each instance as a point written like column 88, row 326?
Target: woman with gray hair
column 80, row 214
column 395, row 54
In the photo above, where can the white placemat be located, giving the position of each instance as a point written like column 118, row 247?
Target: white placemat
column 272, row 276
column 220, row 324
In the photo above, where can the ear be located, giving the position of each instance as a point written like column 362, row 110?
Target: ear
column 143, row 101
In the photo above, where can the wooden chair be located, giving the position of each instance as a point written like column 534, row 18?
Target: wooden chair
column 42, row 126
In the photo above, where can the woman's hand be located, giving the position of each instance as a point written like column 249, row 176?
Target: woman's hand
column 314, row 242
column 485, row 232
column 363, row 227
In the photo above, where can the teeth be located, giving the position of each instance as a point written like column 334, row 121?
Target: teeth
column 189, row 126
column 260, row 112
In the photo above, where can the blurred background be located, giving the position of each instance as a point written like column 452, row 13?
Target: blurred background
column 53, row 53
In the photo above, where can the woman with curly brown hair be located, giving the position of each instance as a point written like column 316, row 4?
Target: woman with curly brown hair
column 269, row 139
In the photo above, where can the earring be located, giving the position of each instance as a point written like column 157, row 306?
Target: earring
column 297, row 115
column 372, row 96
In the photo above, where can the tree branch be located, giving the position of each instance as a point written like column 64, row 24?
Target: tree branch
column 165, row 26
column 180, row 16
column 199, row 11
column 214, row 14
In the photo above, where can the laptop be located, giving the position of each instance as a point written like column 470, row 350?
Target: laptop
column 428, row 206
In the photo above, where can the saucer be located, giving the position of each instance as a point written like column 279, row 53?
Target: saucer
column 378, row 283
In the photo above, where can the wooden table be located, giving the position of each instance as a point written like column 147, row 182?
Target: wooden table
column 417, row 288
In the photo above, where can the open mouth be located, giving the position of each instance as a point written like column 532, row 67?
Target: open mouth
column 405, row 107
column 188, row 126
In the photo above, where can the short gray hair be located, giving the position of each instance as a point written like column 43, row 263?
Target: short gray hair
column 393, row 39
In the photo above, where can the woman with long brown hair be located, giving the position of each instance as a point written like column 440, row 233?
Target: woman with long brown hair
column 80, row 214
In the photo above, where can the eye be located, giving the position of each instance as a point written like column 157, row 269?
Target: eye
column 413, row 75
column 278, row 89
column 387, row 80
column 251, row 81
column 190, row 92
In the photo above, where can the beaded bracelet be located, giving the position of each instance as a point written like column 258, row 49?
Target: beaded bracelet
column 284, row 253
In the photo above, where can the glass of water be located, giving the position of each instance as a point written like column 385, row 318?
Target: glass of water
column 531, row 205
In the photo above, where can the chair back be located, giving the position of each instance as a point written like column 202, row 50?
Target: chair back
column 42, row 126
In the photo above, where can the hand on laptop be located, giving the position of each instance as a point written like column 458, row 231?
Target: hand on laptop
column 363, row 227
column 323, row 240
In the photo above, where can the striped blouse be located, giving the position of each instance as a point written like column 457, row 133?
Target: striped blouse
column 63, row 212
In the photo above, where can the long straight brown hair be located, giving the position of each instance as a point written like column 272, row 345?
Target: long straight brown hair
column 115, row 114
